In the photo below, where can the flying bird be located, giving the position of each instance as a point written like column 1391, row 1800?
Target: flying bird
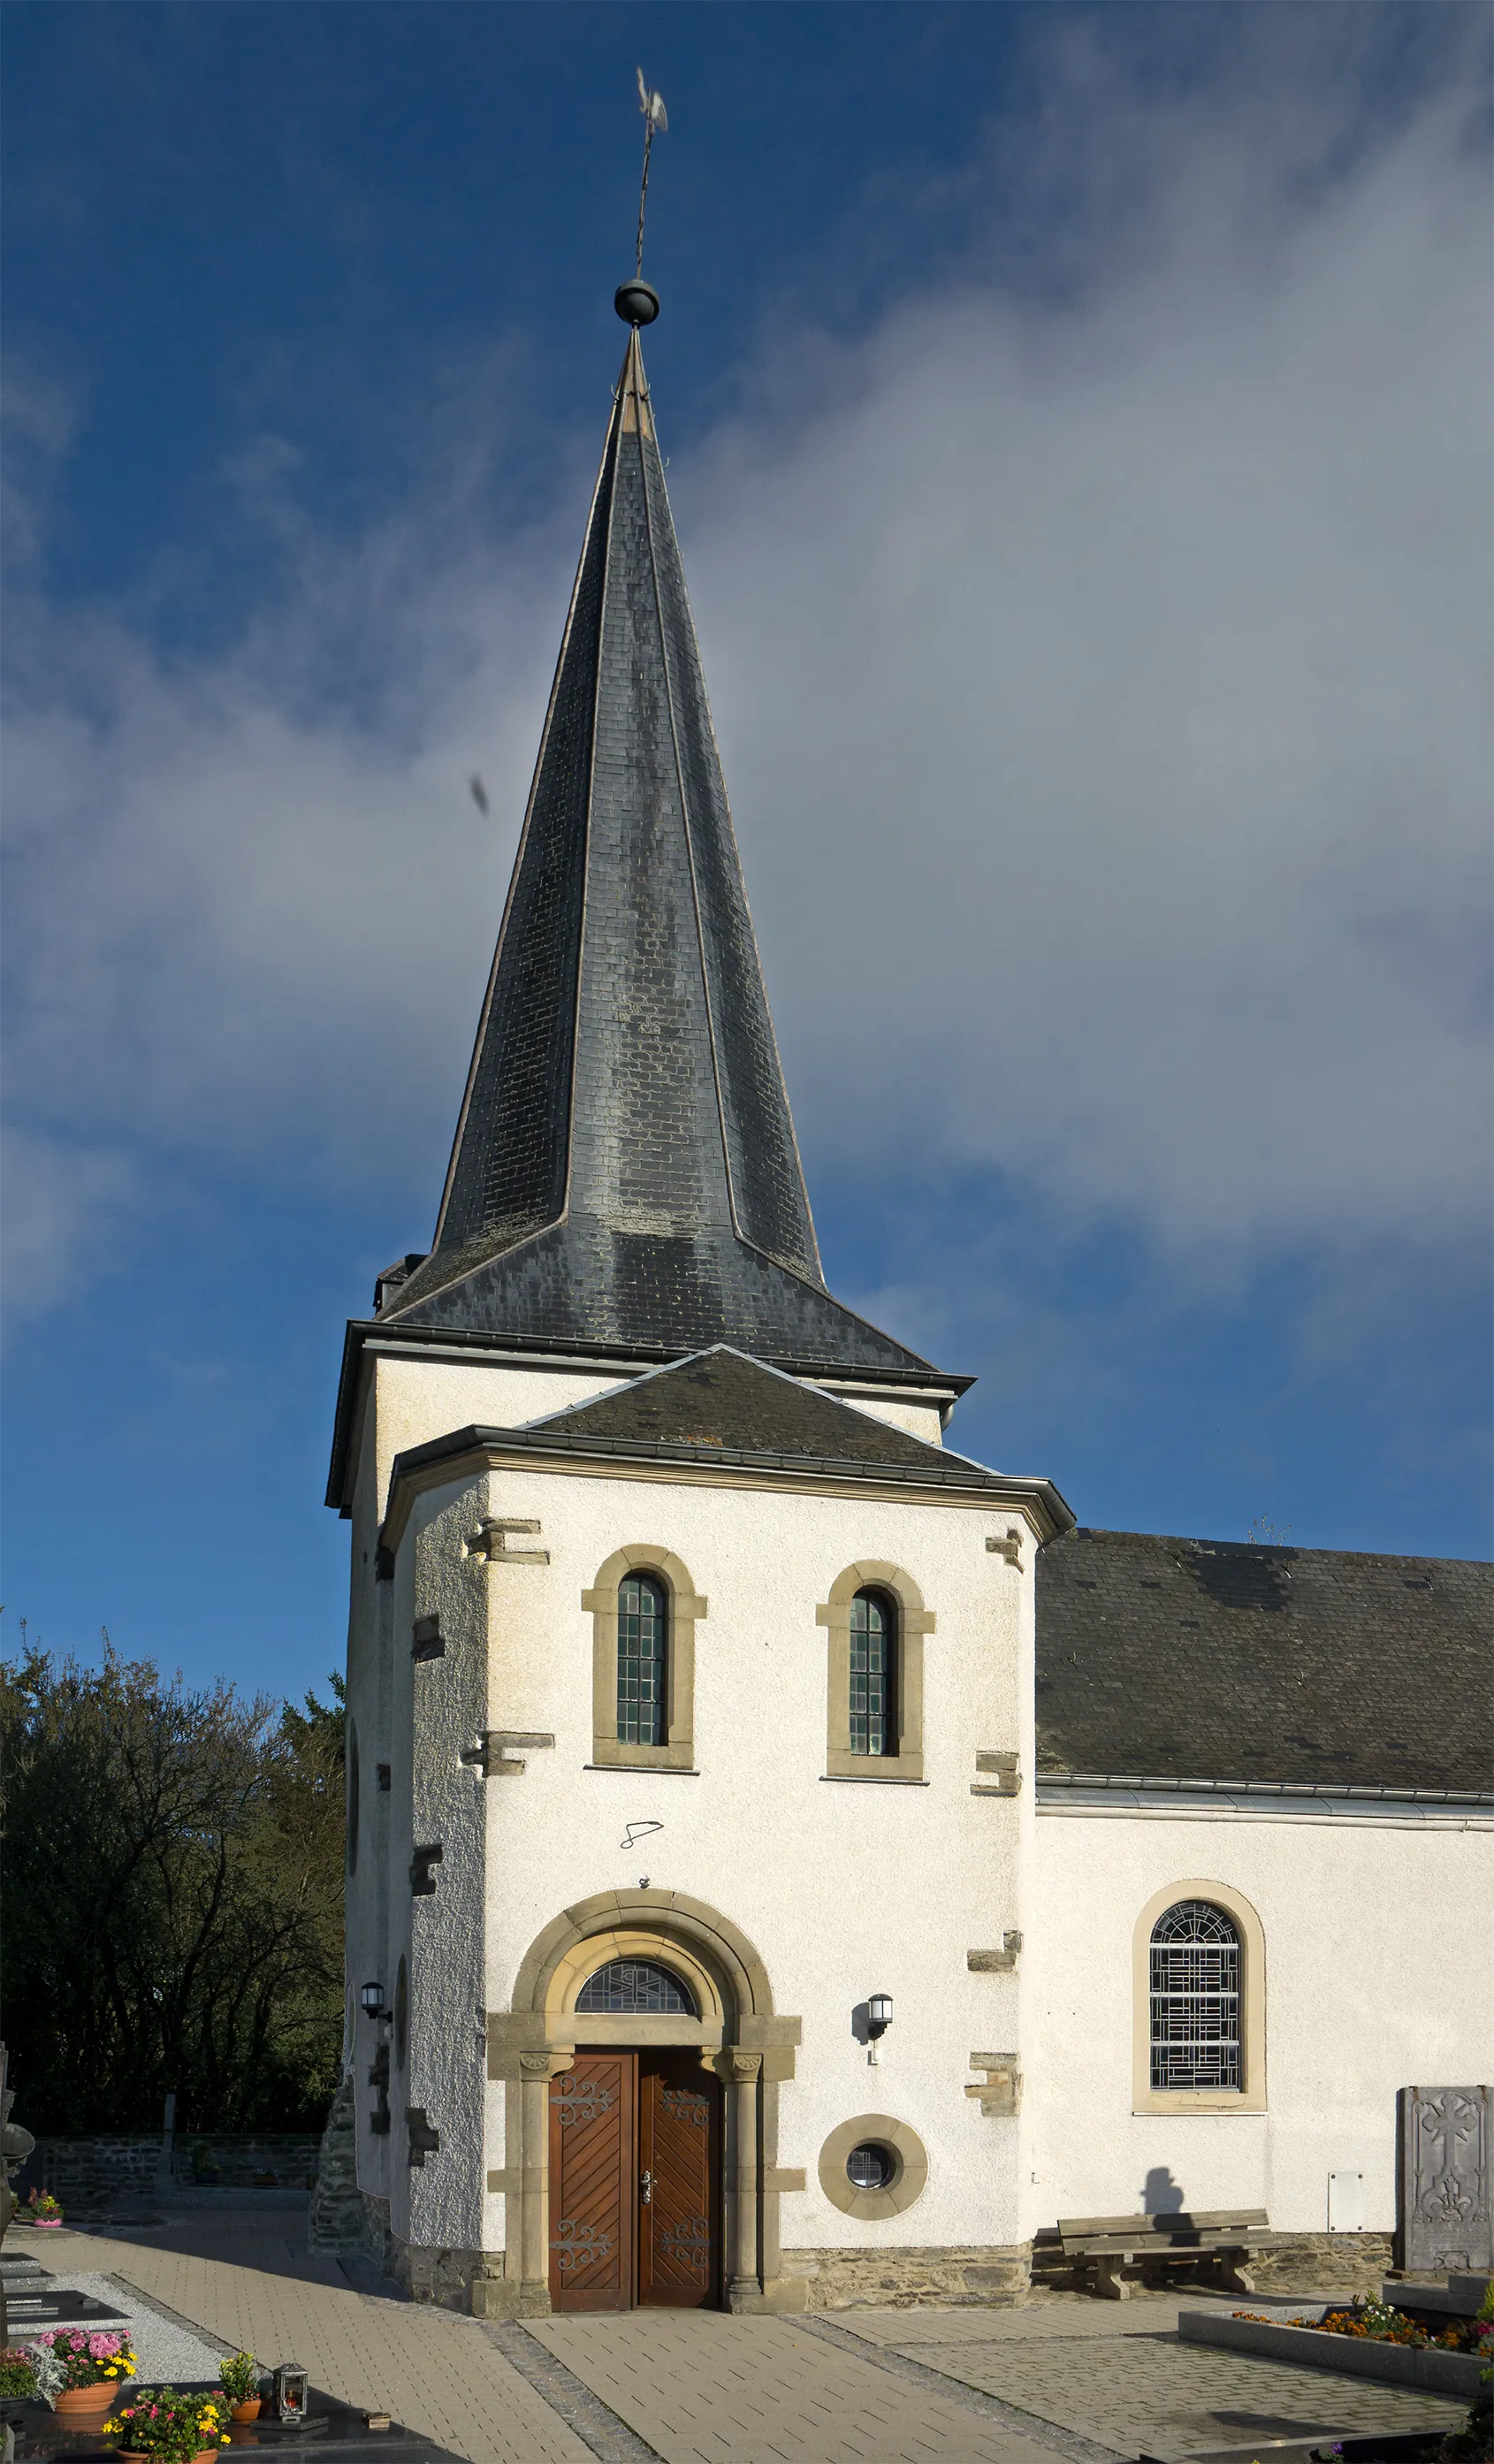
column 479, row 792
column 652, row 105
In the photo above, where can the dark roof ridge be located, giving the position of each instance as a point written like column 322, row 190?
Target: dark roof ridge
column 1265, row 1549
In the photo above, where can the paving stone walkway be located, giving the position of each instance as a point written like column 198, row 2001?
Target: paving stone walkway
column 437, row 2373
column 1063, row 2377
column 703, row 2389
column 1131, row 2386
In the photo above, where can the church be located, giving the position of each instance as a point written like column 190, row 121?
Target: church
column 791, row 1864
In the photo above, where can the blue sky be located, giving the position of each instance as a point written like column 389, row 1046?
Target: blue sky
column 1076, row 421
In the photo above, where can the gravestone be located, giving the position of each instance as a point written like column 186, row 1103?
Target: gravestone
column 1444, row 2196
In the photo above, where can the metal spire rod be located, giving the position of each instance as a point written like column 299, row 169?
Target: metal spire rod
column 655, row 117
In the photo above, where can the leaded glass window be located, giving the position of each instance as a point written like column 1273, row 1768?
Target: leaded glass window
column 1194, row 1998
column 870, row 2166
column 874, row 1669
column 641, row 1644
column 637, row 1985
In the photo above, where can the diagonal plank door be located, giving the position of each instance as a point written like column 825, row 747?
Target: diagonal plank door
column 593, row 2183
column 679, row 2129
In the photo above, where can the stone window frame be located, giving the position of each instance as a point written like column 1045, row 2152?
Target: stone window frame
column 1250, row 2096
column 686, row 1608
column 910, row 2166
column 913, row 1622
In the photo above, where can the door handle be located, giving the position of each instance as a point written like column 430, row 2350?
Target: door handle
column 646, row 2188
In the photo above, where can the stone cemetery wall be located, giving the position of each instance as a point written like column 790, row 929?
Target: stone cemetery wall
column 104, row 2171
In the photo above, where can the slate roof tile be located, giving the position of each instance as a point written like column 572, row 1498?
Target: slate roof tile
column 1181, row 1658
column 625, row 1170
column 722, row 1398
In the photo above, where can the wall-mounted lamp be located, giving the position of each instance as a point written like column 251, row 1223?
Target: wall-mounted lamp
column 371, row 1996
column 879, row 2019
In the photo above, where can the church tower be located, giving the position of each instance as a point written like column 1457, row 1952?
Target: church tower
column 690, row 1677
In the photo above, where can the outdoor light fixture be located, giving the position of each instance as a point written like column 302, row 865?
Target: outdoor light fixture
column 879, row 2019
column 290, row 2384
column 371, row 1997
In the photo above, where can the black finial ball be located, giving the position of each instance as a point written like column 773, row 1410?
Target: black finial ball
column 636, row 301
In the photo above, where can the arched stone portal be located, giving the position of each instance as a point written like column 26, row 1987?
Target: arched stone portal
column 737, row 2034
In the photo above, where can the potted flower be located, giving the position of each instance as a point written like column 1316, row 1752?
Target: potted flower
column 240, row 2376
column 43, row 2211
column 81, row 2374
column 17, row 2384
column 162, row 2425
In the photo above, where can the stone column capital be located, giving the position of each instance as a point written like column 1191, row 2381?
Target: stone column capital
column 546, row 2061
column 737, row 2064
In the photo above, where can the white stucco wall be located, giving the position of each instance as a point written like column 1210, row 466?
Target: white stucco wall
column 1379, row 1972
column 844, row 1888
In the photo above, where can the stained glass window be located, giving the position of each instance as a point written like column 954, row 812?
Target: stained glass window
column 1194, row 1998
column 873, row 1662
column 641, row 1623
column 637, row 1985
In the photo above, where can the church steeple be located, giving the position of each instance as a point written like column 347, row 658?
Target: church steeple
column 625, row 1170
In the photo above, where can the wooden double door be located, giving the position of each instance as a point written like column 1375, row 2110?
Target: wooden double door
column 635, row 2173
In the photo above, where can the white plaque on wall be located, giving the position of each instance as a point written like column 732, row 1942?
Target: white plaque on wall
column 1346, row 2202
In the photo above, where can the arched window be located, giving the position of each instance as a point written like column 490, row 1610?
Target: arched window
column 641, row 1649
column 873, row 1674
column 1195, row 1995
column 644, row 1609
column 637, row 1985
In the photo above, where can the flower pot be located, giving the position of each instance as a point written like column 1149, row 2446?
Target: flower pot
column 249, row 2409
column 81, row 2404
column 46, row 2224
column 140, row 2455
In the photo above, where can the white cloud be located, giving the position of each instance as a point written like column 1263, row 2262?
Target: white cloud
column 1104, row 691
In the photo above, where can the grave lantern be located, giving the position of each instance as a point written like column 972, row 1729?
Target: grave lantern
column 291, row 2389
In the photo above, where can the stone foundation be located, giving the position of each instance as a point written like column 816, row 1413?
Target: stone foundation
column 336, row 2219
column 375, row 2239
column 442, row 2278
column 1284, row 2263
column 987, row 2276
column 1322, row 2262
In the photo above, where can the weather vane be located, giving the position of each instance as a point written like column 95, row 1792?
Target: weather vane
column 655, row 117
column 637, row 302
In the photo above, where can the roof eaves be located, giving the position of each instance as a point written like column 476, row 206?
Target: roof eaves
column 1135, row 1783
column 388, row 1334
column 975, row 1480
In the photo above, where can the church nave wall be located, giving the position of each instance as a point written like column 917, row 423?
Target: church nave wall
column 1375, row 1976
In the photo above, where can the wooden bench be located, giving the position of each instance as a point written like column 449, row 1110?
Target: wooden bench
column 1101, row 2245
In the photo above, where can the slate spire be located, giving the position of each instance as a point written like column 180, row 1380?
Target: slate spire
column 625, row 1169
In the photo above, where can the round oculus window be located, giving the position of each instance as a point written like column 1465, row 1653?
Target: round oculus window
column 870, row 2166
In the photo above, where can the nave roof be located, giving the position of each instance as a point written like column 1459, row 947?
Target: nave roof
column 1217, row 1659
